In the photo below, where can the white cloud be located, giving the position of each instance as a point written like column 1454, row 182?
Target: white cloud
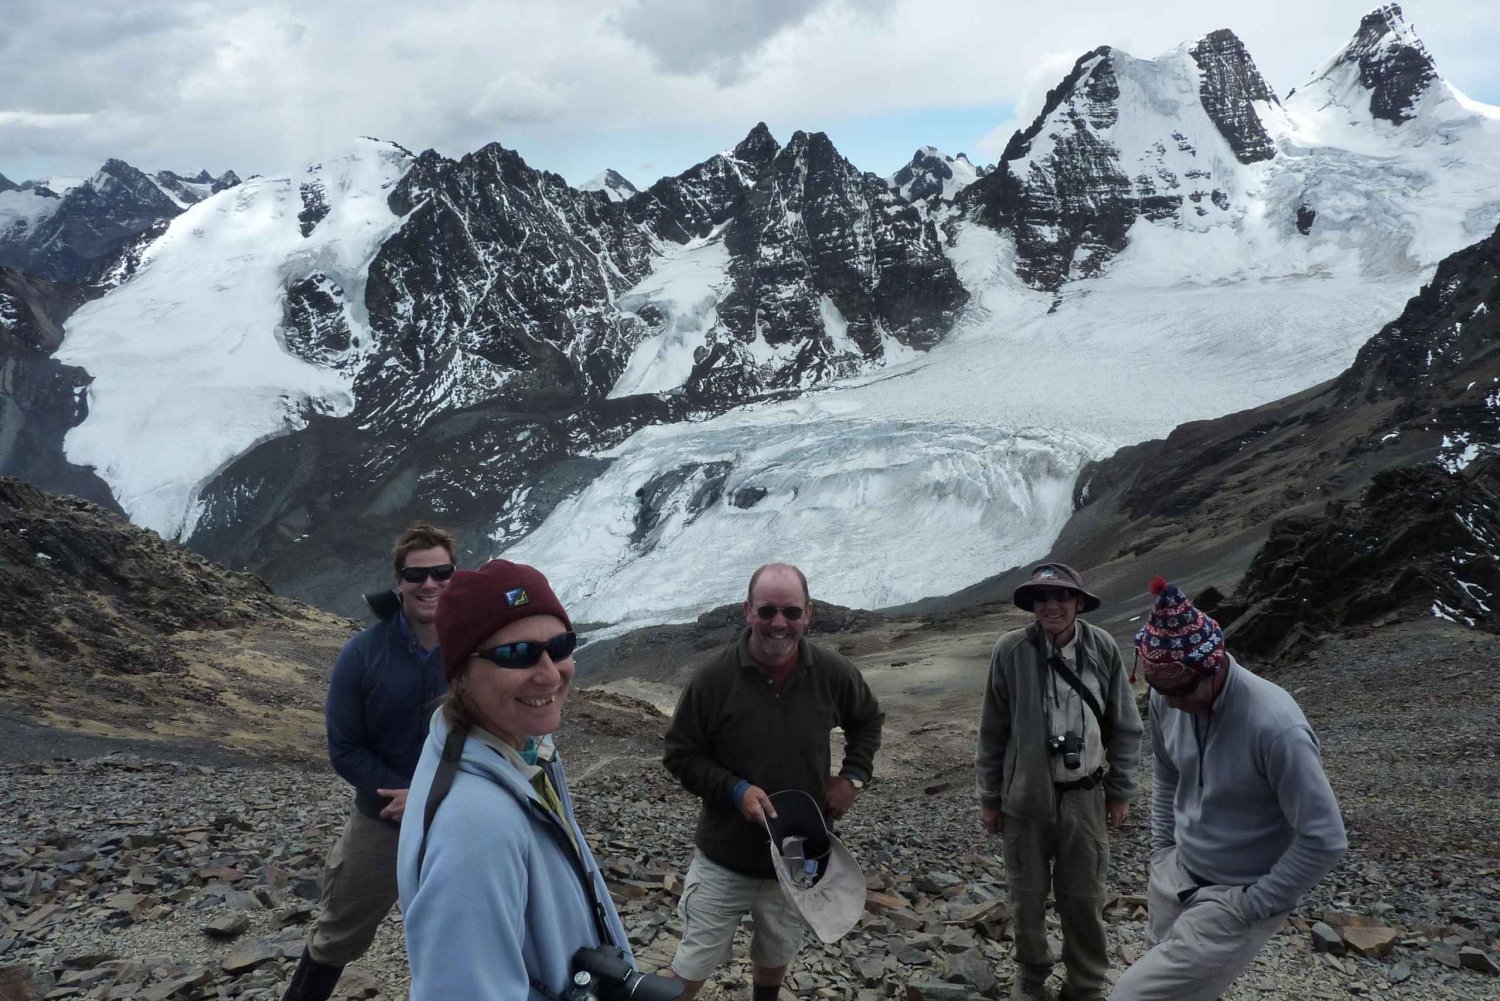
column 1042, row 77
column 578, row 85
column 32, row 120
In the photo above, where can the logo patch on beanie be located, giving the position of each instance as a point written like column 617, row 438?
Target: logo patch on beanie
column 517, row 597
column 1046, row 573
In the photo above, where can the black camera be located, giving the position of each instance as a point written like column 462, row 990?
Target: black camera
column 1070, row 746
column 603, row 972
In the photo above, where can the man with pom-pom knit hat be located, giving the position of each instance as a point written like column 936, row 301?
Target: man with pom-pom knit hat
column 1243, row 821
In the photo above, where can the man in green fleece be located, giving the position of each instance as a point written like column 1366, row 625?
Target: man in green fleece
column 1059, row 740
column 755, row 720
column 1243, row 821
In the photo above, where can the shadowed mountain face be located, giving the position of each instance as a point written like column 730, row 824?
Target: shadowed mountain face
column 43, row 398
column 1229, row 89
column 1116, row 142
column 1376, row 491
column 1420, row 542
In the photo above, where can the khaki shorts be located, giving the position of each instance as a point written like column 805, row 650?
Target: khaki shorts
column 714, row 899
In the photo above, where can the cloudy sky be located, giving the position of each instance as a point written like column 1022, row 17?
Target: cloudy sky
column 648, row 87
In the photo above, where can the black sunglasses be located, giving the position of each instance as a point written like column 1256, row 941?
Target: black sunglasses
column 416, row 575
column 1181, row 691
column 1040, row 595
column 789, row 612
column 528, row 652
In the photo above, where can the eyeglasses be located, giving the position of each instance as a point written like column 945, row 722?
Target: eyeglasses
column 416, row 575
column 528, row 652
column 1042, row 595
column 1181, row 691
column 789, row 612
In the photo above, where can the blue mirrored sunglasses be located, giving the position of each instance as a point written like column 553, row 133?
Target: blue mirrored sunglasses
column 528, row 652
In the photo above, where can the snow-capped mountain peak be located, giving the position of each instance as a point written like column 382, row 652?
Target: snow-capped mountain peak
column 1384, row 70
column 613, row 184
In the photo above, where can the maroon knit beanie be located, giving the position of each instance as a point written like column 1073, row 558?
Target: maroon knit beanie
column 478, row 602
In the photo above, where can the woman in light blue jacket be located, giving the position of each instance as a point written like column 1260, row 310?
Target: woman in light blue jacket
column 499, row 890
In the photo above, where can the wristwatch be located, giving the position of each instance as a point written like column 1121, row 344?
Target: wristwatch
column 854, row 780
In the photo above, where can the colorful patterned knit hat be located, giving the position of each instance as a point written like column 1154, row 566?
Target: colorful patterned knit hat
column 1177, row 635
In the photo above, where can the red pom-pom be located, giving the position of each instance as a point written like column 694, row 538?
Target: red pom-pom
column 1158, row 585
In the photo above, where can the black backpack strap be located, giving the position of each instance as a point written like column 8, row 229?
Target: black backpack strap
column 442, row 782
column 1065, row 672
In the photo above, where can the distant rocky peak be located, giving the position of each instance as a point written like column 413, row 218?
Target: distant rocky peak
column 612, row 184
column 191, row 189
column 756, row 150
column 1389, row 61
column 6, row 184
column 1229, row 86
column 933, row 176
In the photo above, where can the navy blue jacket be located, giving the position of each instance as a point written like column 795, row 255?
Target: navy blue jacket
column 380, row 698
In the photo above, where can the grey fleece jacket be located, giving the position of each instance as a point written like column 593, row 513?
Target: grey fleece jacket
column 1242, row 794
column 1011, row 763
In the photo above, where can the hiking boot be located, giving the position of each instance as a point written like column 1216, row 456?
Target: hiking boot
column 1028, row 989
column 1073, row 994
column 313, row 981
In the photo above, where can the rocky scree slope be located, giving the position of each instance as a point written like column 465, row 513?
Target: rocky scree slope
column 108, row 629
column 148, row 879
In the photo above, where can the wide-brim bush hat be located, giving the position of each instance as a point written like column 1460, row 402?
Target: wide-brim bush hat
column 1054, row 575
column 834, row 901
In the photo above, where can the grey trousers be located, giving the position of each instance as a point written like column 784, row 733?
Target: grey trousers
column 1199, row 944
column 359, row 889
column 1069, row 854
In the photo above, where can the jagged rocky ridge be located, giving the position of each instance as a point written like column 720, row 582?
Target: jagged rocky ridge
column 80, row 235
column 1068, row 192
column 500, row 327
column 933, row 178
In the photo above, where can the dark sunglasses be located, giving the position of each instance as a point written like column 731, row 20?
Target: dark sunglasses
column 528, row 652
column 416, row 575
column 1181, row 691
column 789, row 612
column 1042, row 595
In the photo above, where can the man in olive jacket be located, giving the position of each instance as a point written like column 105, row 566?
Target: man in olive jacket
column 1054, row 765
column 753, row 721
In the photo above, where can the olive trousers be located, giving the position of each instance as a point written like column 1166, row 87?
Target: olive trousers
column 1069, row 855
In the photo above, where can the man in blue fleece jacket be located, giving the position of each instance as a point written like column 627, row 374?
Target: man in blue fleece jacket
column 1243, row 821
column 385, row 684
